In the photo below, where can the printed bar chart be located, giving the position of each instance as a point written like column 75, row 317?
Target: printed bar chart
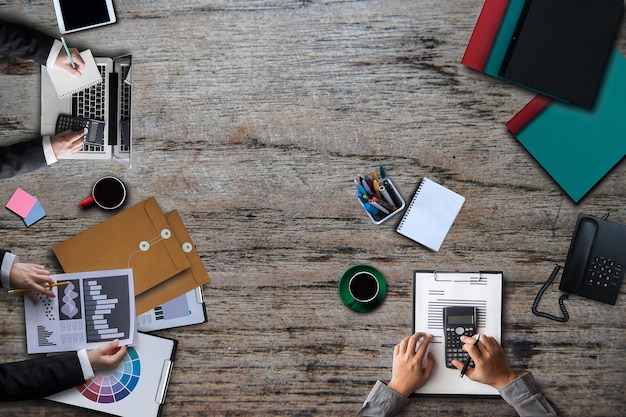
column 106, row 313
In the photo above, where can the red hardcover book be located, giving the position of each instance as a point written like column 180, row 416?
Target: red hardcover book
column 484, row 34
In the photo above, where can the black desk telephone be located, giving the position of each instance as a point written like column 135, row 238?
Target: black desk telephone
column 595, row 263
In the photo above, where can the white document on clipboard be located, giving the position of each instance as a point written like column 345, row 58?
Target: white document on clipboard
column 137, row 387
column 184, row 310
column 434, row 290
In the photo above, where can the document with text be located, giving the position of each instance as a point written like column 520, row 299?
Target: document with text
column 90, row 308
column 434, row 290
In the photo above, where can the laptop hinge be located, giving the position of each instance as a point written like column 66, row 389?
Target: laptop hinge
column 113, row 103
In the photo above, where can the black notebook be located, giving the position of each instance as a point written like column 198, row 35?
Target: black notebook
column 560, row 47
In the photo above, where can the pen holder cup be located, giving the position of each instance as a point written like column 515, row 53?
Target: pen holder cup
column 378, row 216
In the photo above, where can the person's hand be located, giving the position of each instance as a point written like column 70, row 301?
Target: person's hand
column 67, row 143
column 409, row 372
column 31, row 277
column 106, row 356
column 63, row 61
column 491, row 368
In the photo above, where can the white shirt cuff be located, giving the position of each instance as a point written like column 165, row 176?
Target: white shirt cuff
column 54, row 53
column 5, row 269
column 85, row 364
column 48, row 152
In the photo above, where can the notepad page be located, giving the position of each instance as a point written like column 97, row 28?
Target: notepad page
column 66, row 84
column 430, row 214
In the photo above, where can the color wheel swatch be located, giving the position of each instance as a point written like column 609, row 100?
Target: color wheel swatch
column 114, row 385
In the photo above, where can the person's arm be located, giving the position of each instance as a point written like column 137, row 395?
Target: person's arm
column 7, row 260
column 21, row 157
column 30, row 155
column 492, row 368
column 33, row 277
column 524, row 396
column 47, row 375
column 39, row 377
column 412, row 368
column 382, row 401
column 23, row 42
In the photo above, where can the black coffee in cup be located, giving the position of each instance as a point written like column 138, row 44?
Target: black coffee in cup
column 363, row 287
column 109, row 192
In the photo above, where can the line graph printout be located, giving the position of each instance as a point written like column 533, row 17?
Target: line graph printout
column 92, row 309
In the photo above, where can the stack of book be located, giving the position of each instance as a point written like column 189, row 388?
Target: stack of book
column 561, row 49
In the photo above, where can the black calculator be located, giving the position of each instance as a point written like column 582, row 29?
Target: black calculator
column 458, row 321
column 95, row 134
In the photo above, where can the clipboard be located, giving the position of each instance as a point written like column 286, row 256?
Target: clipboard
column 182, row 282
column 139, row 238
column 434, row 290
column 137, row 387
column 184, row 310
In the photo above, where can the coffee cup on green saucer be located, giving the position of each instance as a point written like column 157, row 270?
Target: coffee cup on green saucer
column 362, row 288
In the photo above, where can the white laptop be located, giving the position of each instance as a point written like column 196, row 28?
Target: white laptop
column 109, row 101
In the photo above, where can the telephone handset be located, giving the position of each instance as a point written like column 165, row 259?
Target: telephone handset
column 595, row 264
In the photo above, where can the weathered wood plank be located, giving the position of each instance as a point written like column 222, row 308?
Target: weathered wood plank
column 252, row 118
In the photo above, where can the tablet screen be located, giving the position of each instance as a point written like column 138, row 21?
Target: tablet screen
column 84, row 13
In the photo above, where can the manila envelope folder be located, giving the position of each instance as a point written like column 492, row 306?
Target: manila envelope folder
column 181, row 283
column 139, row 238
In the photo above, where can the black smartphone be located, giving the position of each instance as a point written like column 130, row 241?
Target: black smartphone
column 458, row 321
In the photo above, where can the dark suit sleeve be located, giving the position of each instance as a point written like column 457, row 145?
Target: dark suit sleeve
column 39, row 377
column 21, row 157
column 22, row 42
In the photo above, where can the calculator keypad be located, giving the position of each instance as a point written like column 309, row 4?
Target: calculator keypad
column 95, row 128
column 71, row 123
column 454, row 345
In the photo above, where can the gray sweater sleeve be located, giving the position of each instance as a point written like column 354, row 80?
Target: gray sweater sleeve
column 383, row 402
column 523, row 394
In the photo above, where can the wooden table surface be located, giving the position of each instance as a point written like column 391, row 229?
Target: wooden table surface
column 252, row 118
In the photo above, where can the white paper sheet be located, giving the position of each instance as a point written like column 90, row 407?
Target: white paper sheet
column 184, row 310
column 136, row 388
column 432, row 291
column 94, row 308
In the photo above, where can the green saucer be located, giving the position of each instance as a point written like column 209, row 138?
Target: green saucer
column 347, row 298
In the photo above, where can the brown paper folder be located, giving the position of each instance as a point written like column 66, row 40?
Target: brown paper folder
column 184, row 281
column 139, row 238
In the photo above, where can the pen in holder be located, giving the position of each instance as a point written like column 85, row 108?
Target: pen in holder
column 379, row 197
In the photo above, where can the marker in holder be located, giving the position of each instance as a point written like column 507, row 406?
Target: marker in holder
column 379, row 197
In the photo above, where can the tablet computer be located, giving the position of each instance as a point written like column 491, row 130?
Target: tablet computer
column 75, row 15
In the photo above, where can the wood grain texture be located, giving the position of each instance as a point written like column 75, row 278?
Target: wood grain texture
column 252, row 119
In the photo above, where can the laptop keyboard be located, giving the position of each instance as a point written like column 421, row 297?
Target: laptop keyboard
column 125, row 108
column 90, row 104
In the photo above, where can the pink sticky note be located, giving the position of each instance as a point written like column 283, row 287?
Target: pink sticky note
column 21, row 203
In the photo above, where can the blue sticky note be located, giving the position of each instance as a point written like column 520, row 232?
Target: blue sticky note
column 36, row 213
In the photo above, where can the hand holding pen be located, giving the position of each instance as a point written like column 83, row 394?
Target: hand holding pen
column 491, row 368
column 70, row 60
column 31, row 278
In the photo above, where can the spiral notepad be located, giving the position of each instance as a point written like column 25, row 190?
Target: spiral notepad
column 67, row 84
column 430, row 214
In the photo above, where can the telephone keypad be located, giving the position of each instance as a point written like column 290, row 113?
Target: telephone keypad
column 604, row 273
